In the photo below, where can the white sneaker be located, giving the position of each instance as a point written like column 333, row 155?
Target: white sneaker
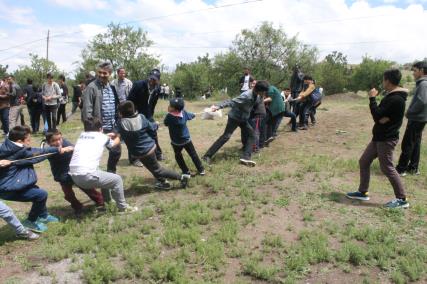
column 248, row 163
column 128, row 209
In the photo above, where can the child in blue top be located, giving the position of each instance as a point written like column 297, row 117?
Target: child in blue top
column 18, row 180
column 176, row 121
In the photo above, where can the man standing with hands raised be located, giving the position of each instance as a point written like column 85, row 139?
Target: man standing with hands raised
column 388, row 116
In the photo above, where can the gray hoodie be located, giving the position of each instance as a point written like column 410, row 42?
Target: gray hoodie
column 417, row 110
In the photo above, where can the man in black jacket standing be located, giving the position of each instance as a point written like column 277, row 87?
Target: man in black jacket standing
column 388, row 117
column 417, row 118
column 145, row 94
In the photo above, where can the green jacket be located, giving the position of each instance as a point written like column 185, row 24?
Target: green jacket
column 277, row 105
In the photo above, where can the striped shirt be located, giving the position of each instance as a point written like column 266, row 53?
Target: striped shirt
column 108, row 108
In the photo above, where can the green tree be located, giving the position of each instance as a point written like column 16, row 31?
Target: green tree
column 369, row 74
column 227, row 69
column 333, row 73
column 271, row 54
column 36, row 71
column 123, row 46
column 193, row 78
column 3, row 70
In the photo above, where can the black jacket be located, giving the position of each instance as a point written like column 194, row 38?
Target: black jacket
column 144, row 102
column 392, row 106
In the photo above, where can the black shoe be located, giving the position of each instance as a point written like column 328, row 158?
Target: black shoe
column 184, row 180
column 160, row 157
column 162, row 184
column 207, row 160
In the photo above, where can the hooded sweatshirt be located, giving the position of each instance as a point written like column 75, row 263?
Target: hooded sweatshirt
column 137, row 132
column 417, row 110
column 391, row 106
column 177, row 124
column 241, row 106
column 20, row 175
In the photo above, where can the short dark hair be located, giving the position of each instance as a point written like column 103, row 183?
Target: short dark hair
column 308, row 77
column 49, row 135
column 177, row 103
column 92, row 124
column 393, row 76
column 49, row 75
column 127, row 109
column 19, row 133
column 29, row 81
column 261, row 86
column 61, row 77
column 120, row 68
column 421, row 65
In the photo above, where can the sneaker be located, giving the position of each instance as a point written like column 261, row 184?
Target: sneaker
column 184, row 180
column 269, row 140
column 27, row 235
column 397, row 203
column 207, row 160
column 303, row 127
column 137, row 163
column 36, row 226
column 128, row 209
column 49, row 219
column 161, row 157
column 358, row 195
column 162, row 184
column 414, row 172
column 202, row 173
column 248, row 163
column 403, row 174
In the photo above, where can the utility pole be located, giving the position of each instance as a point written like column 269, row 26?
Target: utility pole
column 47, row 46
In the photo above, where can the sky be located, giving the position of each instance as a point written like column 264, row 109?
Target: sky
column 184, row 29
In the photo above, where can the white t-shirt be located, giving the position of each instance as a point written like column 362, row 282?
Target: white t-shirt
column 245, row 86
column 88, row 152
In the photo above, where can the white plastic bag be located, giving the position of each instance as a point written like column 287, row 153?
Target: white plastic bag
column 208, row 114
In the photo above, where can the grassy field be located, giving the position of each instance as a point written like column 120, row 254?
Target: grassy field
column 284, row 221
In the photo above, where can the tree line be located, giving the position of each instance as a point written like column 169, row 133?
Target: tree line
column 268, row 51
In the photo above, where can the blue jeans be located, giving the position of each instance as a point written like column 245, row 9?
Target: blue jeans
column 293, row 119
column 4, row 117
column 33, row 194
column 7, row 214
column 273, row 124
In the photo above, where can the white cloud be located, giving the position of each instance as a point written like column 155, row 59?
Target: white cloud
column 386, row 31
column 82, row 4
column 16, row 15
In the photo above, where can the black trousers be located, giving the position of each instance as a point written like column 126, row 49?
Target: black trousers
column 61, row 112
column 50, row 114
column 411, row 146
column 113, row 156
column 150, row 162
column 35, row 114
column 189, row 147
column 232, row 124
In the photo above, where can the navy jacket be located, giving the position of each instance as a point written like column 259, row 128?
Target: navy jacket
column 393, row 107
column 144, row 102
column 60, row 165
column 178, row 130
column 20, row 175
column 137, row 132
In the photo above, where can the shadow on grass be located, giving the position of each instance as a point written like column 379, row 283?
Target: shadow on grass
column 7, row 235
column 340, row 197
